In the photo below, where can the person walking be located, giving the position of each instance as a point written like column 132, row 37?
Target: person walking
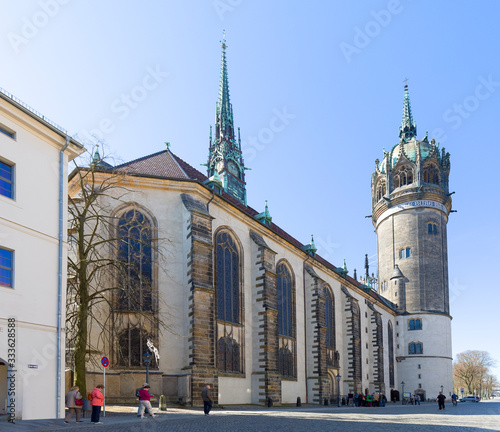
column 97, row 399
column 139, row 396
column 206, row 395
column 145, row 401
column 73, row 406
column 440, row 400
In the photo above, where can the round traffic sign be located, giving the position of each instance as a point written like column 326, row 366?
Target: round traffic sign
column 105, row 361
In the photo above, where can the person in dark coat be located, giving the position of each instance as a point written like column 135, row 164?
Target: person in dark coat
column 206, row 395
column 440, row 400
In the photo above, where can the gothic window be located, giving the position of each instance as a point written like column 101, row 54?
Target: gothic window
column 228, row 355
column 330, row 319
column 415, row 348
column 431, row 174
column 286, row 318
column 132, row 344
column 381, row 189
column 415, row 324
column 403, row 177
column 227, row 278
column 432, row 228
column 390, row 334
column 135, row 253
column 405, row 253
column 286, row 362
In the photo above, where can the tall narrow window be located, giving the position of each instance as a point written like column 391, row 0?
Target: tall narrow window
column 403, row 177
column 330, row 320
column 135, row 254
column 390, row 341
column 227, row 278
column 431, row 174
column 405, row 253
column 381, row 189
column 432, row 228
column 6, row 179
column 6, row 266
column 285, row 301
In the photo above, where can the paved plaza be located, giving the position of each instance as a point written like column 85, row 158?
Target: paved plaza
column 466, row 417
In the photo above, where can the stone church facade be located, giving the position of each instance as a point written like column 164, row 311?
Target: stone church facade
column 252, row 311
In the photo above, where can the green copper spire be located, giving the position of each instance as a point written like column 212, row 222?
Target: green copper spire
column 224, row 154
column 408, row 129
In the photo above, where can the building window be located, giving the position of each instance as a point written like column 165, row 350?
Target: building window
column 419, row 376
column 415, row 324
column 227, row 278
column 415, row 348
column 405, row 253
column 132, row 344
column 420, row 366
column 381, row 189
column 285, row 301
column 135, row 252
column 7, row 131
column 6, row 179
column 228, row 355
column 431, row 174
column 330, row 319
column 403, row 177
column 390, row 341
column 6, row 268
column 286, row 362
column 432, row 228
column 420, row 386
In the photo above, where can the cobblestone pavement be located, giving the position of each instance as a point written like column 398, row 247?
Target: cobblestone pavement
column 466, row 417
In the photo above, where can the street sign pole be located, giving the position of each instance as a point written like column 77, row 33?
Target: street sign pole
column 105, row 364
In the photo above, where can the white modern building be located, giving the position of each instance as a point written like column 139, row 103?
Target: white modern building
column 34, row 155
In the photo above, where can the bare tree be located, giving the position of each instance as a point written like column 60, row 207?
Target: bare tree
column 109, row 270
column 471, row 371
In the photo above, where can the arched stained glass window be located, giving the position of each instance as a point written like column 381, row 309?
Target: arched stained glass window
column 285, row 301
column 227, row 278
column 390, row 342
column 136, row 255
column 286, row 362
column 330, row 319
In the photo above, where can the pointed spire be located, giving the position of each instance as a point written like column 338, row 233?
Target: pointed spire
column 408, row 129
column 97, row 157
column 311, row 247
column 224, row 112
column 367, row 269
column 265, row 216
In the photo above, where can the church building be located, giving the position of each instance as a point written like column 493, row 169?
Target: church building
column 254, row 312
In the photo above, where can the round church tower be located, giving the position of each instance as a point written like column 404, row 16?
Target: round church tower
column 410, row 207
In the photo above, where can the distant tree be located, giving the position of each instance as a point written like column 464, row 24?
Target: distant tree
column 104, row 283
column 471, row 371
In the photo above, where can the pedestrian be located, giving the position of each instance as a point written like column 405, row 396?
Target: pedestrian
column 440, row 400
column 139, row 396
column 417, row 399
column 73, row 406
column 96, row 400
column 350, row 399
column 454, row 398
column 145, row 401
column 356, row 399
column 206, row 395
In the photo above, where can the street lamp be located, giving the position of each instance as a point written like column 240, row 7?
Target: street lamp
column 338, row 389
column 402, row 392
column 147, row 361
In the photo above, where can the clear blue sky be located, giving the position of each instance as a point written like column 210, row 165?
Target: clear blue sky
column 317, row 89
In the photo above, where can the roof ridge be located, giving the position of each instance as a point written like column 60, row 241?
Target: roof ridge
column 140, row 159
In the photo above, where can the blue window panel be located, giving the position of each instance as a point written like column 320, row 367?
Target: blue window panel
column 6, row 180
column 418, row 324
column 285, row 301
column 227, row 279
column 6, row 257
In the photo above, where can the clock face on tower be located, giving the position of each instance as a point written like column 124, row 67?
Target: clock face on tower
column 233, row 169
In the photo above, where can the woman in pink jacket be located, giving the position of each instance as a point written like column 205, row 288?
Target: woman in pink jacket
column 96, row 402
